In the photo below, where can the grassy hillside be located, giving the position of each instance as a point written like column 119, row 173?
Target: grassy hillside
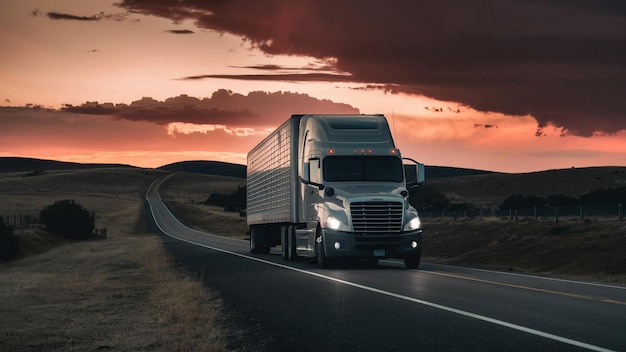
column 492, row 189
column 120, row 293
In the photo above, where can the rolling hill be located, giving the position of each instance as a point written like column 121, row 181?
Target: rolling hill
column 206, row 167
column 216, row 168
column 17, row 164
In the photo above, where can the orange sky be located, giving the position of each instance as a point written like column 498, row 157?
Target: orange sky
column 468, row 85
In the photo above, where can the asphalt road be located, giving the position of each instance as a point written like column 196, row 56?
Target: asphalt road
column 275, row 305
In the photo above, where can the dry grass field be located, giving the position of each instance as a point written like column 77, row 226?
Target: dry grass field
column 591, row 251
column 124, row 293
column 121, row 293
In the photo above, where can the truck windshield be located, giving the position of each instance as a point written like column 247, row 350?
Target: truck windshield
column 363, row 168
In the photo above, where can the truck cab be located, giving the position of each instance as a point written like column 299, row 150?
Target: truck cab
column 354, row 194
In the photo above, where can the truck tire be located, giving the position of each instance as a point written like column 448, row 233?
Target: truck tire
column 413, row 262
column 258, row 243
column 284, row 241
column 320, row 255
column 292, row 253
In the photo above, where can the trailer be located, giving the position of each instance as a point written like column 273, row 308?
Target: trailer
column 328, row 186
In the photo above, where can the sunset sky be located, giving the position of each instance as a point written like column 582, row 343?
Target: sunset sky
column 508, row 85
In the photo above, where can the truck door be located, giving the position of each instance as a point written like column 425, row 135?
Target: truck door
column 312, row 200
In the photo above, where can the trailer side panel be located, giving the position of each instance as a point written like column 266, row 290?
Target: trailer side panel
column 270, row 174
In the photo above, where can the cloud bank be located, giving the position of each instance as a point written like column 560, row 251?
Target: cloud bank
column 223, row 108
column 560, row 61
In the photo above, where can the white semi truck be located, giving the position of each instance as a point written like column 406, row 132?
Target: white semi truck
column 333, row 186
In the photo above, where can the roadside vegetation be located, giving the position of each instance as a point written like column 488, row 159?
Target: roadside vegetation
column 121, row 293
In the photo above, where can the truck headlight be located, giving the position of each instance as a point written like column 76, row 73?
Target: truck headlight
column 414, row 224
column 333, row 223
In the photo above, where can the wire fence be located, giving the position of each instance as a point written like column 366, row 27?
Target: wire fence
column 21, row 221
column 556, row 213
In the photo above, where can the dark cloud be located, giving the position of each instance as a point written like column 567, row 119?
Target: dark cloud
column 274, row 67
column 91, row 108
column 257, row 109
column 65, row 16
column 561, row 61
column 179, row 31
column 292, row 77
column 70, row 17
column 480, row 125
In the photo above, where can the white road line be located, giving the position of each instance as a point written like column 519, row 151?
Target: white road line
column 395, row 295
column 584, row 283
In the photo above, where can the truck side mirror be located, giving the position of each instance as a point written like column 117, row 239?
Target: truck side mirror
column 421, row 173
column 414, row 173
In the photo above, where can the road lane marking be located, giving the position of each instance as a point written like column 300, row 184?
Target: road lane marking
column 573, row 295
column 391, row 294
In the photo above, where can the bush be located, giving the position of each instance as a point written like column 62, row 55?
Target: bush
column 68, row 218
column 605, row 196
column 429, row 198
column 233, row 202
column 520, row 201
column 9, row 243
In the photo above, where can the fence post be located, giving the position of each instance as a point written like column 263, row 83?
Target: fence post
column 621, row 214
column 556, row 214
column 535, row 213
column 582, row 214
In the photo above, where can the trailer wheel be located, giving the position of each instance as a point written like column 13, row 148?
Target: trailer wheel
column 284, row 241
column 258, row 242
column 292, row 253
column 320, row 255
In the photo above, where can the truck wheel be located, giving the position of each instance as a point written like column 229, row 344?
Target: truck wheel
column 292, row 254
column 413, row 262
column 257, row 242
column 320, row 255
column 284, row 241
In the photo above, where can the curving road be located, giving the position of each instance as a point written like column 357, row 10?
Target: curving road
column 275, row 305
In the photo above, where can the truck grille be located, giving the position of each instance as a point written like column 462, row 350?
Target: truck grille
column 376, row 217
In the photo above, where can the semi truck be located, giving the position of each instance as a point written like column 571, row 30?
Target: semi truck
column 330, row 186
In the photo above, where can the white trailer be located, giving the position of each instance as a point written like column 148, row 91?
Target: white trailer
column 333, row 186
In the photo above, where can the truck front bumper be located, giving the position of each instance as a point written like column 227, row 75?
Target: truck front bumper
column 338, row 244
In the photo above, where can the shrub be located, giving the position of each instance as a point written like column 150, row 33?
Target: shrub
column 605, row 196
column 429, row 198
column 520, row 201
column 9, row 243
column 68, row 218
column 233, row 202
